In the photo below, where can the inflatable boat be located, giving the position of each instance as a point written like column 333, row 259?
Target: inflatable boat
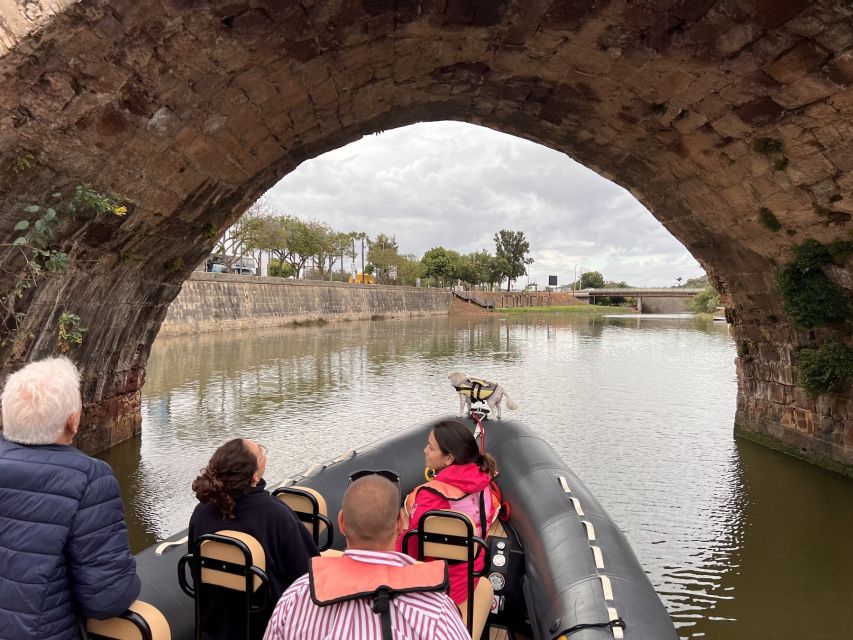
column 559, row 567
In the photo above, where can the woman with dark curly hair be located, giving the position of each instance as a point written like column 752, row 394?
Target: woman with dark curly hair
column 233, row 495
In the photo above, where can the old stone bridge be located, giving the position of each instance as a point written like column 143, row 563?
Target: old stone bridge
column 731, row 121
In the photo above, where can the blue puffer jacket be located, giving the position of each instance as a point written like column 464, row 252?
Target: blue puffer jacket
column 63, row 542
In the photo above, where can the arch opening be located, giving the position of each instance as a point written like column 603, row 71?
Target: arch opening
column 707, row 113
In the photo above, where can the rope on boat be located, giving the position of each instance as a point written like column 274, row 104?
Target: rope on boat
column 618, row 623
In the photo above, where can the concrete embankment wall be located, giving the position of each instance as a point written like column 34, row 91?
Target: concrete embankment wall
column 222, row 301
column 665, row 305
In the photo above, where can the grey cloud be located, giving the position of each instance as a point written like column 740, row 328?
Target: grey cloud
column 455, row 185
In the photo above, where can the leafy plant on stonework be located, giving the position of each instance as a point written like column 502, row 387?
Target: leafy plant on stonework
column 825, row 370
column 176, row 264
column 22, row 163
column 41, row 258
column 70, row 331
column 811, row 299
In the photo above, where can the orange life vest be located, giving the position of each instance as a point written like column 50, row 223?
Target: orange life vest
column 339, row 579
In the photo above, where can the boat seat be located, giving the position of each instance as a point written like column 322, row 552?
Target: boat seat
column 483, row 594
column 141, row 621
column 231, row 560
column 310, row 507
column 449, row 535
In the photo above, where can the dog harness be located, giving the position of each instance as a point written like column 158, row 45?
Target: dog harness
column 334, row 580
column 476, row 389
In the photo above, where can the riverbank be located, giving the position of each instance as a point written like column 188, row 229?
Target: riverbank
column 231, row 302
column 577, row 309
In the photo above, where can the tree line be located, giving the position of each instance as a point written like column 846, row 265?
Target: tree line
column 313, row 250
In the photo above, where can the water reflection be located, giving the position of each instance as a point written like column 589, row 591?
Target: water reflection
column 641, row 408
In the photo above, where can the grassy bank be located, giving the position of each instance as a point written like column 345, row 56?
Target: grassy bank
column 575, row 308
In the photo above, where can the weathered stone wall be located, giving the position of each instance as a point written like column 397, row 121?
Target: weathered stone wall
column 528, row 299
column 20, row 19
column 221, row 301
column 719, row 116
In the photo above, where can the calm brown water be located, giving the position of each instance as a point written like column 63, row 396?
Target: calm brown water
column 742, row 543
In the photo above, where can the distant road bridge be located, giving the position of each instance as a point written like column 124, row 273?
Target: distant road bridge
column 647, row 295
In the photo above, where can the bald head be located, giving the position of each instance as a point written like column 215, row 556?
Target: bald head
column 369, row 513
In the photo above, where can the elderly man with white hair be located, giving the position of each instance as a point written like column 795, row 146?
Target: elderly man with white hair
column 64, row 552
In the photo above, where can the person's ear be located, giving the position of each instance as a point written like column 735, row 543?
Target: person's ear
column 72, row 424
column 341, row 526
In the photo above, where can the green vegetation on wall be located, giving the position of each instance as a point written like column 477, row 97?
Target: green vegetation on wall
column 768, row 219
column 811, row 299
column 825, row 370
column 41, row 256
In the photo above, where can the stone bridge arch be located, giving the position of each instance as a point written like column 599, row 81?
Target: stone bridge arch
column 708, row 111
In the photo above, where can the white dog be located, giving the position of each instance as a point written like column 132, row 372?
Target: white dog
column 479, row 391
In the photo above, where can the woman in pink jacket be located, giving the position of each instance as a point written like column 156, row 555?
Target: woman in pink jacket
column 462, row 483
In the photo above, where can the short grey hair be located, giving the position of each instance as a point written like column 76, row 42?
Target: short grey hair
column 38, row 399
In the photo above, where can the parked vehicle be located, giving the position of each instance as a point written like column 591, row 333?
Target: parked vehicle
column 219, row 263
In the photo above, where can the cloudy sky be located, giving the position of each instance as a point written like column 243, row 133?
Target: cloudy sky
column 454, row 185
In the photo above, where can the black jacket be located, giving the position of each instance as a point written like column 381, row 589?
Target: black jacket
column 288, row 547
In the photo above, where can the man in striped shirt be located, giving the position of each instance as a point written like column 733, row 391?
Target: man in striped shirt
column 370, row 518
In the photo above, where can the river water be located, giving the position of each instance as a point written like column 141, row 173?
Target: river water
column 742, row 543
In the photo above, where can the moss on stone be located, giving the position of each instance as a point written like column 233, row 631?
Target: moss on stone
column 768, row 219
column 840, row 250
column 780, row 164
column 811, row 299
column 826, row 369
column 768, row 146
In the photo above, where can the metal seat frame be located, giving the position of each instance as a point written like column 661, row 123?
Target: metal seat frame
column 469, row 540
column 198, row 562
column 313, row 518
column 135, row 619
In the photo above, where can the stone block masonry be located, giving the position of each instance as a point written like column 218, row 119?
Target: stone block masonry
column 717, row 115
column 222, row 301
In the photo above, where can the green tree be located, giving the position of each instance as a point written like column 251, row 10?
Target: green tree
column 616, row 300
column 591, row 280
column 696, row 283
column 437, row 264
column 408, row 270
column 279, row 269
column 513, row 248
column 497, row 270
column 383, row 254
column 455, row 264
column 465, row 271
column 359, row 236
column 344, row 248
column 706, row 301
column 325, row 247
